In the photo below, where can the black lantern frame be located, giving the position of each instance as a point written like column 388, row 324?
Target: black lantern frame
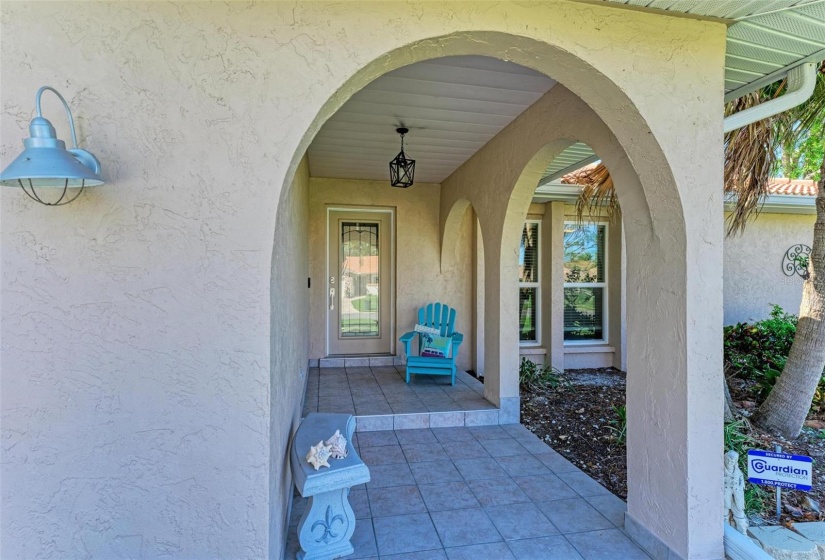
column 402, row 168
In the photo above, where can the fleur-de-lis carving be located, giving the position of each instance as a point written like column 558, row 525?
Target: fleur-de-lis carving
column 327, row 524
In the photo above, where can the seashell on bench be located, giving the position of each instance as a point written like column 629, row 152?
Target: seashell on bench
column 328, row 522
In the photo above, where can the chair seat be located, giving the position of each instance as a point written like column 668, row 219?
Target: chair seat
column 430, row 362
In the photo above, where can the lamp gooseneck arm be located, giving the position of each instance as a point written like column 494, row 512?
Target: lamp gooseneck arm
column 65, row 106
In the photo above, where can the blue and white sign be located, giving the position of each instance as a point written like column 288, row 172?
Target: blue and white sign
column 780, row 469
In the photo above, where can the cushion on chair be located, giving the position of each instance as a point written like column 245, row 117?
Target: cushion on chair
column 424, row 329
column 436, row 346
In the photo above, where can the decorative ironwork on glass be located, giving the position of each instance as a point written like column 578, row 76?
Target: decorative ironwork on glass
column 796, row 260
column 402, row 168
column 360, row 271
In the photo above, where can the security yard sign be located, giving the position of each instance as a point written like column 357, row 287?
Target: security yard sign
column 782, row 470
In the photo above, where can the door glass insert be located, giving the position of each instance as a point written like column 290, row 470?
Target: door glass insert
column 360, row 266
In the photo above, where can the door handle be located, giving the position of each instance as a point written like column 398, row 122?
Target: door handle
column 332, row 298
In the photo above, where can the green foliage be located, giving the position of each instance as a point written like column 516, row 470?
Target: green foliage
column 758, row 352
column 366, row 303
column 737, row 438
column 618, row 425
column 801, row 156
column 534, row 376
column 753, row 350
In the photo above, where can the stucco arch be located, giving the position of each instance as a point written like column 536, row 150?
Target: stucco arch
column 500, row 181
column 588, row 105
column 449, row 231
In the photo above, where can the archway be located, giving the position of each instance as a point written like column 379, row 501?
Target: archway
column 652, row 205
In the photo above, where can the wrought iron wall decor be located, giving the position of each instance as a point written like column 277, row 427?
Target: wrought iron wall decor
column 402, row 169
column 796, row 260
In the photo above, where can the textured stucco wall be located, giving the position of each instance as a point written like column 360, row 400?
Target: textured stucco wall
column 419, row 278
column 753, row 266
column 289, row 300
column 147, row 385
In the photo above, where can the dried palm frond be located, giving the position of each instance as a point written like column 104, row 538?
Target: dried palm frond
column 750, row 156
column 751, row 151
column 598, row 195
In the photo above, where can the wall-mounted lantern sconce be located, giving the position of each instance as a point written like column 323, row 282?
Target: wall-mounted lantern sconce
column 46, row 163
column 402, row 168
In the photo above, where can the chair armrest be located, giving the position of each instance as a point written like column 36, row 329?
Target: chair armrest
column 458, row 338
column 407, row 337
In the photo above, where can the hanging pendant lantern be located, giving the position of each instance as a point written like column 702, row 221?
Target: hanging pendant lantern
column 402, row 169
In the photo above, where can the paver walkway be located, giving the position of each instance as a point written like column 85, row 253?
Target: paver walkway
column 486, row 492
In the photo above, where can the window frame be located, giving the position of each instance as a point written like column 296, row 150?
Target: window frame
column 536, row 285
column 603, row 285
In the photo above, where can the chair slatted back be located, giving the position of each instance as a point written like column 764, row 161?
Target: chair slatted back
column 439, row 316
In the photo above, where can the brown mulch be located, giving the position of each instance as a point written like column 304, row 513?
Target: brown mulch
column 579, row 421
column 811, row 442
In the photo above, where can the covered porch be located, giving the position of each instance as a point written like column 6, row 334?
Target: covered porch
column 381, row 400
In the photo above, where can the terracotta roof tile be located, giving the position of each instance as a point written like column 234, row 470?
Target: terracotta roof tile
column 799, row 187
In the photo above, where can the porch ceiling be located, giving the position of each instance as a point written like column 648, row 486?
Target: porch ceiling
column 452, row 106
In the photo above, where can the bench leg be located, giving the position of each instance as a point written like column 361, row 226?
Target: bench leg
column 327, row 526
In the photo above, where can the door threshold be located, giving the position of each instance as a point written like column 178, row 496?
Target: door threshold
column 366, row 360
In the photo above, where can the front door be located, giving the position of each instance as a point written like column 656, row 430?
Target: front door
column 360, row 283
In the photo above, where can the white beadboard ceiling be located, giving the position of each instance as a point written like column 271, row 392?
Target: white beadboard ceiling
column 452, row 106
column 455, row 105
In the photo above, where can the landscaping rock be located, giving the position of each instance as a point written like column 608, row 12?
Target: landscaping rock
column 810, row 504
column 784, row 544
column 813, row 531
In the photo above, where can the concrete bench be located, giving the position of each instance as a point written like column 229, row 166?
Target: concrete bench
column 328, row 522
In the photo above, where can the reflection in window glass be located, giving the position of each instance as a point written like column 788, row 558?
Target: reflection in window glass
column 527, row 300
column 360, row 266
column 528, row 275
column 585, row 282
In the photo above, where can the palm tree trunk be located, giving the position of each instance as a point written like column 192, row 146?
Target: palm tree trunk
column 785, row 409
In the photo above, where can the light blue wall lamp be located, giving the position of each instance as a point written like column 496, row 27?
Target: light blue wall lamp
column 46, row 163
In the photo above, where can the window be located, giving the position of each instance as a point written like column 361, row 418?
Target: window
column 585, row 283
column 528, row 277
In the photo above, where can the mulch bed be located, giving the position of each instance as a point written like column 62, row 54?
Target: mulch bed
column 811, row 442
column 579, row 421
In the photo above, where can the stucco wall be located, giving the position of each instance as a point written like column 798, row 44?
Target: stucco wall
column 288, row 369
column 753, row 266
column 142, row 362
column 419, row 278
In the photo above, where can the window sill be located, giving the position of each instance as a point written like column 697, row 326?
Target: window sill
column 532, row 350
column 589, row 349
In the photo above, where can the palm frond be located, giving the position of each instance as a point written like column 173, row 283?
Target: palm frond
column 751, row 151
column 598, row 197
column 750, row 157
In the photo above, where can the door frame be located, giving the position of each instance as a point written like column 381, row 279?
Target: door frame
column 389, row 210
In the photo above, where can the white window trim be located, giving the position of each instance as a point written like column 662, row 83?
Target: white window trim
column 605, row 308
column 537, row 285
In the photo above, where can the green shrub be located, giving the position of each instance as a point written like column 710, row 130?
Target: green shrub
column 752, row 350
column 738, row 439
column 534, row 376
column 619, row 425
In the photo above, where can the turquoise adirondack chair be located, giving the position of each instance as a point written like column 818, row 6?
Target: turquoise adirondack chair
column 442, row 317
